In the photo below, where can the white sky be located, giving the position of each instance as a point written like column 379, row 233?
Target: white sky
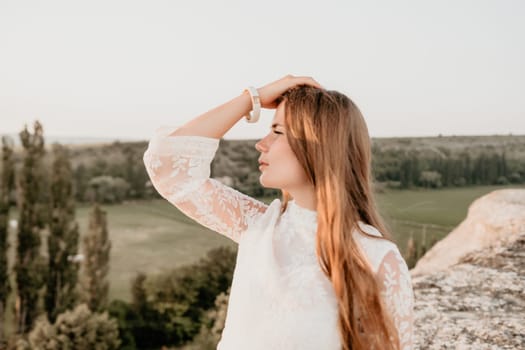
column 120, row 69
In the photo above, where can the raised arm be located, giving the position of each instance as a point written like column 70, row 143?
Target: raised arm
column 216, row 122
column 396, row 289
column 178, row 163
column 179, row 169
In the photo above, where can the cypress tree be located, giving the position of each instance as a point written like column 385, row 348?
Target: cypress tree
column 7, row 184
column 96, row 247
column 29, row 264
column 63, row 238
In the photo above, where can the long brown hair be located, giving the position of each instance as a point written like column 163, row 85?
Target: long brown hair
column 329, row 137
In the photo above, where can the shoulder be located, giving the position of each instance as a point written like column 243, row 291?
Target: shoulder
column 375, row 249
column 270, row 215
column 274, row 206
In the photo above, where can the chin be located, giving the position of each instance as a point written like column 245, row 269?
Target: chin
column 267, row 184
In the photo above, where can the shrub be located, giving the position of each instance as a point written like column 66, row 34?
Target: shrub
column 502, row 180
column 107, row 189
column 76, row 329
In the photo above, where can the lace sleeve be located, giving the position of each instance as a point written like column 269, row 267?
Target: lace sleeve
column 396, row 290
column 179, row 169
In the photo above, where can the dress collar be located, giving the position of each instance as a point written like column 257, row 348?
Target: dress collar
column 304, row 217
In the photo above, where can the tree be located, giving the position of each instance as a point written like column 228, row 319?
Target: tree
column 134, row 171
column 82, row 175
column 63, row 239
column 129, row 322
column 139, row 297
column 107, row 189
column 212, row 327
column 30, row 267
column 430, row 179
column 96, row 248
column 76, row 329
column 7, row 184
column 168, row 308
column 409, row 171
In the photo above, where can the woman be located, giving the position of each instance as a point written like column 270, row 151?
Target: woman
column 316, row 269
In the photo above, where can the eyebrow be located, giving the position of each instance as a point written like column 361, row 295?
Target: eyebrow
column 276, row 124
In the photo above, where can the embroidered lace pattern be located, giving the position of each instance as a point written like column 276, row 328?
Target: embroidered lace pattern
column 280, row 299
column 179, row 169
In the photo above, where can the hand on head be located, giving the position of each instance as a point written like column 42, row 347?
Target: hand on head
column 269, row 93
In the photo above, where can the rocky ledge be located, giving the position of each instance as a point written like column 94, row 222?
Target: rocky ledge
column 476, row 303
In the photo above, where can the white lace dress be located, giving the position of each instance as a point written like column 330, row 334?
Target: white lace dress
column 280, row 298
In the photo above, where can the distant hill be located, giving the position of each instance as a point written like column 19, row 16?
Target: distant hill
column 398, row 162
column 74, row 140
column 513, row 145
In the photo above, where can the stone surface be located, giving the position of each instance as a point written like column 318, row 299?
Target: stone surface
column 494, row 216
column 477, row 303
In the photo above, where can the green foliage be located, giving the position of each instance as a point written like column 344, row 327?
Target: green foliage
column 63, row 239
column 128, row 321
column 30, row 267
column 169, row 308
column 194, row 285
column 7, row 184
column 107, row 189
column 134, row 173
column 461, row 161
column 502, row 180
column 212, row 325
column 409, row 171
column 96, row 249
column 516, row 178
column 430, row 179
column 76, row 329
column 238, row 159
column 445, row 168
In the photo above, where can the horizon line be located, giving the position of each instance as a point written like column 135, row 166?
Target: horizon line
column 104, row 139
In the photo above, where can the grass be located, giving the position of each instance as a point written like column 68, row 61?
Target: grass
column 445, row 207
column 151, row 236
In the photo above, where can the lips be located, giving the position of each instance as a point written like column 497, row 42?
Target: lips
column 262, row 164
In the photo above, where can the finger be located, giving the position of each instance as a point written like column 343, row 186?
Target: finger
column 310, row 81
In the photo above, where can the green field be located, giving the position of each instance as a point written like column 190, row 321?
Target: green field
column 152, row 236
column 428, row 215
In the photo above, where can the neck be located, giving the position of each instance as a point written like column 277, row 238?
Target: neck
column 305, row 199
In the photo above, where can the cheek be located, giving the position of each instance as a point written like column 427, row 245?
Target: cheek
column 283, row 156
column 296, row 173
column 284, row 170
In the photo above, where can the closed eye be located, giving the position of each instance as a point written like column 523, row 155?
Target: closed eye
column 277, row 132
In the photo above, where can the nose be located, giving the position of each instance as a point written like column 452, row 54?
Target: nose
column 261, row 145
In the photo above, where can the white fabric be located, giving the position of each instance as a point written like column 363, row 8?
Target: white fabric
column 280, row 298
